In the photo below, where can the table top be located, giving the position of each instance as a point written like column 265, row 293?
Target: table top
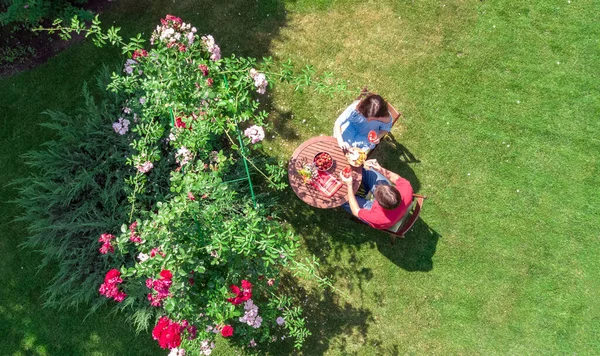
column 305, row 153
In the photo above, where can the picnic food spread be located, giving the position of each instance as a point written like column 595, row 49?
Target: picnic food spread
column 326, row 183
column 323, row 161
column 356, row 157
column 321, row 189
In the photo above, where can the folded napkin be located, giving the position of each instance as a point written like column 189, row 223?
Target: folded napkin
column 326, row 183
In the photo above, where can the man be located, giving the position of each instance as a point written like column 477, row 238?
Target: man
column 393, row 195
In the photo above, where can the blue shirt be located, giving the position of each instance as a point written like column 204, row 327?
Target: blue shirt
column 355, row 127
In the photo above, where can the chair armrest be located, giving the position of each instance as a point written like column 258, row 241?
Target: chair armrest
column 413, row 218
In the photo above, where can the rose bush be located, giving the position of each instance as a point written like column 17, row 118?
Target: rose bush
column 201, row 261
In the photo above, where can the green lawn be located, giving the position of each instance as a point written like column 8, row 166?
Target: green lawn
column 500, row 129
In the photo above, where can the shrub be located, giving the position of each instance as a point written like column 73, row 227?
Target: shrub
column 75, row 192
column 197, row 251
column 29, row 13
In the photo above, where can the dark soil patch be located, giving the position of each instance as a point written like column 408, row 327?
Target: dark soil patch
column 23, row 49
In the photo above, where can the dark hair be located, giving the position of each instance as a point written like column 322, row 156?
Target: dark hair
column 373, row 105
column 387, row 196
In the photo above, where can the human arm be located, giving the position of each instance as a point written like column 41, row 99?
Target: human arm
column 380, row 135
column 354, row 207
column 372, row 164
column 342, row 126
column 337, row 133
column 384, row 129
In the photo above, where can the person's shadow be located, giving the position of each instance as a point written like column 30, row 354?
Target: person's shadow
column 415, row 251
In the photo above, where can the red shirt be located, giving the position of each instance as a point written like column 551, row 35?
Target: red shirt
column 381, row 218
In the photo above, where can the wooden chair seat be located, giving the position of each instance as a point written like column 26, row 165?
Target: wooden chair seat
column 409, row 219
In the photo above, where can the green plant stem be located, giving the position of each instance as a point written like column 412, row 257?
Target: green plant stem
column 249, row 160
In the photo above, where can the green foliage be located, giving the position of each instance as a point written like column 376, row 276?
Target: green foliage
column 75, row 192
column 12, row 55
column 190, row 217
column 29, row 13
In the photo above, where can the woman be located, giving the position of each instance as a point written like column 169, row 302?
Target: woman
column 352, row 127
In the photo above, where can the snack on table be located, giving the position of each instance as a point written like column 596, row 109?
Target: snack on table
column 356, row 157
column 323, row 161
column 307, row 172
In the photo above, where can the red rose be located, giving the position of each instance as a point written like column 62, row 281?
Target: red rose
column 106, row 248
column 166, row 274
column 238, row 294
column 155, row 251
column 139, row 53
column 154, row 300
column 120, row 296
column 204, row 69
column 105, row 238
column 247, row 286
column 180, row 123
column 162, row 323
column 246, row 296
column 168, row 333
column 113, row 273
column 235, row 289
column 170, row 337
column 173, row 18
column 227, row 331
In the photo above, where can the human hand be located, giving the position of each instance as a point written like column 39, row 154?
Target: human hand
column 345, row 146
column 372, row 164
column 347, row 180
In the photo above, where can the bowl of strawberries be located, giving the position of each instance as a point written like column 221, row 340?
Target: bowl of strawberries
column 323, row 161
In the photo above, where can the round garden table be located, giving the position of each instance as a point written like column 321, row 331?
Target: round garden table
column 305, row 153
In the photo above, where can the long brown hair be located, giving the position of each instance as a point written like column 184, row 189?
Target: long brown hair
column 373, row 105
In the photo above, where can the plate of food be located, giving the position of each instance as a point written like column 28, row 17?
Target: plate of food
column 356, row 157
column 323, row 161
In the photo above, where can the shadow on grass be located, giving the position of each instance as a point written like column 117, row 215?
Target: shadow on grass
column 245, row 28
column 340, row 242
column 326, row 317
column 240, row 27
